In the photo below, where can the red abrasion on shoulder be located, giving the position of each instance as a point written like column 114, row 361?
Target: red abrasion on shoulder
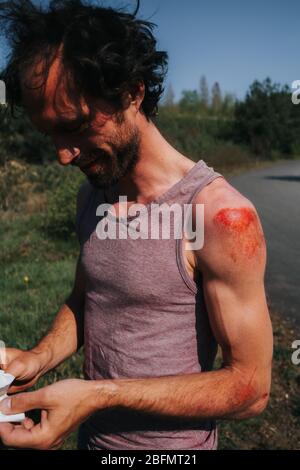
column 246, row 234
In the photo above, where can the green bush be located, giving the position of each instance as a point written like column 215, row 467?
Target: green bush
column 59, row 219
column 193, row 134
column 20, row 140
column 227, row 156
column 16, row 180
column 268, row 121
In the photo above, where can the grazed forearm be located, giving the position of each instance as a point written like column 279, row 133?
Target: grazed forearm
column 218, row 394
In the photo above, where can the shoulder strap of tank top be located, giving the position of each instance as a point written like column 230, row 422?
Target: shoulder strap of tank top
column 202, row 178
column 193, row 182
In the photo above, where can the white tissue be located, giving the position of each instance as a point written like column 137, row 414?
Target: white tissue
column 5, row 381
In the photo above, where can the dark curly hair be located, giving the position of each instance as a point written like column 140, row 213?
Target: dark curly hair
column 106, row 51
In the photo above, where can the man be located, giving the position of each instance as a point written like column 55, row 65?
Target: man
column 149, row 312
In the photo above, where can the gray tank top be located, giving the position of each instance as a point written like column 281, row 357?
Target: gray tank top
column 144, row 317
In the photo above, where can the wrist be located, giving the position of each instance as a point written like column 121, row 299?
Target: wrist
column 44, row 357
column 103, row 393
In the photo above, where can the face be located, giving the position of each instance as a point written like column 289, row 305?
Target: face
column 87, row 133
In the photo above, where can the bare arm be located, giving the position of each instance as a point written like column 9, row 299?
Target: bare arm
column 66, row 333
column 232, row 263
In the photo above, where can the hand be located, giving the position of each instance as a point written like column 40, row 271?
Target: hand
column 26, row 366
column 64, row 405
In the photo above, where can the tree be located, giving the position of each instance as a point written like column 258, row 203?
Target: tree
column 169, row 96
column 216, row 97
column 228, row 104
column 189, row 100
column 268, row 120
column 203, row 91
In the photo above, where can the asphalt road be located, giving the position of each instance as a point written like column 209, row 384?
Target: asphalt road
column 275, row 192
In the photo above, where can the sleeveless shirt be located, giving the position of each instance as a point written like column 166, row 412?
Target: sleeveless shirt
column 144, row 316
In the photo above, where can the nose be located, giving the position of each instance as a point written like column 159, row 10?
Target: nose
column 66, row 154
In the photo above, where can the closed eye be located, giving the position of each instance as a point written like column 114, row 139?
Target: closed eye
column 67, row 130
column 81, row 128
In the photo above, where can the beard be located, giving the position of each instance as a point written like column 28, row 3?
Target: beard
column 111, row 166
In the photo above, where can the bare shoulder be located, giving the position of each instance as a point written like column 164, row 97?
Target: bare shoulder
column 220, row 192
column 223, row 203
column 232, row 228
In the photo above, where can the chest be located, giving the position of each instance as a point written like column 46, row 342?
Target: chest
column 142, row 272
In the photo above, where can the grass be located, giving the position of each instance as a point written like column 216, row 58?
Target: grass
column 37, row 275
column 28, row 308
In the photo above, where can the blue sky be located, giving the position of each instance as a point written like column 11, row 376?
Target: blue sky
column 232, row 42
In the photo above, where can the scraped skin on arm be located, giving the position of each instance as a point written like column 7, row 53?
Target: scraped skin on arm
column 232, row 262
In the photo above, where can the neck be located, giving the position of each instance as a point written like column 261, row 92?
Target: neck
column 159, row 166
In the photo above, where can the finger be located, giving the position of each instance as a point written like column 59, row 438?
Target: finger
column 5, row 428
column 23, row 402
column 18, row 436
column 44, row 418
column 28, row 423
column 20, row 388
column 34, row 438
column 8, row 355
column 20, row 385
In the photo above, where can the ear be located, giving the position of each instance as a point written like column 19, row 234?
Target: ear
column 135, row 95
column 139, row 93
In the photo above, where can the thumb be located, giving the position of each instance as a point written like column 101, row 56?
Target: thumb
column 17, row 369
column 22, row 402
